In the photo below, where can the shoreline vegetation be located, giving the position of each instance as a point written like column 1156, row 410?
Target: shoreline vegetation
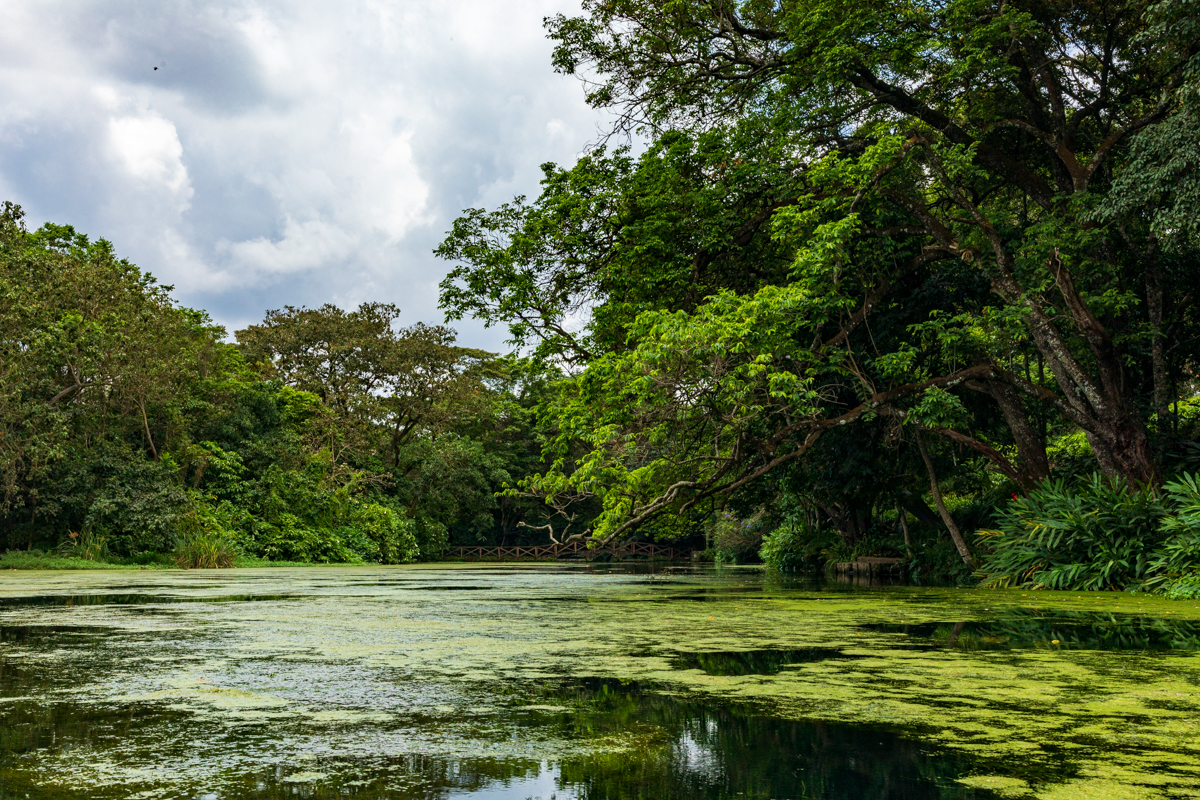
column 922, row 288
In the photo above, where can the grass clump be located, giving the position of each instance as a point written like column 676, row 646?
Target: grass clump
column 204, row 543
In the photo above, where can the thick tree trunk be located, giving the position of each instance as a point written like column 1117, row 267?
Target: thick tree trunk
column 1158, row 358
column 852, row 522
column 959, row 542
column 1031, row 449
column 1093, row 396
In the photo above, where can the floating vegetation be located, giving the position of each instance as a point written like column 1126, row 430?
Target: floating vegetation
column 587, row 683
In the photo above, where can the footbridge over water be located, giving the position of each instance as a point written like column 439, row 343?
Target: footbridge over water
column 571, row 550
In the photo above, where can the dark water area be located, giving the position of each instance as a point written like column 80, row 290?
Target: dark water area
column 755, row 662
column 585, row 684
column 1078, row 631
column 691, row 751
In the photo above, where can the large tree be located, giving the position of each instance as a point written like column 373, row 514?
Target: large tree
column 855, row 160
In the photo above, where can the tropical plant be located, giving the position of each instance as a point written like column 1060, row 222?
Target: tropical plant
column 85, row 544
column 1102, row 534
column 1175, row 567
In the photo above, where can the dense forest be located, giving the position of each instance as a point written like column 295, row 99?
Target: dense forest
column 132, row 429
column 912, row 280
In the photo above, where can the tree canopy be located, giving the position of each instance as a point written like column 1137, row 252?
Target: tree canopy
column 965, row 223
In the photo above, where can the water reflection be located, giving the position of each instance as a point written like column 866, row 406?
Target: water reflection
column 359, row 687
column 671, row 748
column 755, row 662
column 1067, row 630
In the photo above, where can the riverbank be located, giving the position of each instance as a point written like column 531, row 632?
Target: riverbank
column 41, row 560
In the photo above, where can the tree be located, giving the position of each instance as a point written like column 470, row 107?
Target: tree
column 911, row 202
column 1016, row 118
column 98, row 366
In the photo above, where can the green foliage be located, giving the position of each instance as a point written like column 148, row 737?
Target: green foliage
column 736, row 539
column 392, row 535
column 205, row 539
column 288, row 538
column 1186, row 587
column 850, row 217
column 86, row 545
column 794, row 546
column 1176, row 563
column 323, row 436
column 206, row 549
column 1099, row 535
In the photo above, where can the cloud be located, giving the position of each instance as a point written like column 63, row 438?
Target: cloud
column 148, row 149
column 285, row 151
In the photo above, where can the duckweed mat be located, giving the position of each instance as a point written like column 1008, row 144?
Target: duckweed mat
column 586, row 683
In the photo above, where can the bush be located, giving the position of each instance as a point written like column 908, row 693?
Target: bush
column 1100, row 535
column 796, row 546
column 1186, row 587
column 392, row 535
column 204, row 541
column 432, row 538
column 1176, row 564
column 290, row 539
column 736, row 539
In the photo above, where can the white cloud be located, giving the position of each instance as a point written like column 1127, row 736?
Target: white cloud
column 148, row 148
column 286, row 151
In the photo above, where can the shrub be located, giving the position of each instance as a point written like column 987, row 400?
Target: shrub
column 1186, row 587
column 733, row 538
column 1176, row 564
column 204, row 541
column 432, row 537
column 290, row 539
column 796, row 546
column 392, row 535
column 1100, row 535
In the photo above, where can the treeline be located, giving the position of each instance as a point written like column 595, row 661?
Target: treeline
column 914, row 280
column 908, row 280
column 130, row 429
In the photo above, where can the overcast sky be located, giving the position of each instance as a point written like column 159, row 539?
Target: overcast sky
column 284, row 151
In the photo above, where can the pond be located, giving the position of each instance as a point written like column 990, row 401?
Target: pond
column 542, row 682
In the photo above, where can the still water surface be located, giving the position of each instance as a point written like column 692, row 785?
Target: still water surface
column 574, row 683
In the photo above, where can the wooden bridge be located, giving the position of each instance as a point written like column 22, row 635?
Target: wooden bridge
column 571, row 550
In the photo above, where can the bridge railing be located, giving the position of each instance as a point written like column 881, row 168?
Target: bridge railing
column 571, row 549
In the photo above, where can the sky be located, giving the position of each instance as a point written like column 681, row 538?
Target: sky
column 285, row 152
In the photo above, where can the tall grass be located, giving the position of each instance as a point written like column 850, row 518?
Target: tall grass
column 206, row 549
column 203, row 542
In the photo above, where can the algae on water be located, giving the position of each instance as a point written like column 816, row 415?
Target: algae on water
column 402, row 682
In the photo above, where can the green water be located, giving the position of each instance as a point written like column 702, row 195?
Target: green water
column 502, row 683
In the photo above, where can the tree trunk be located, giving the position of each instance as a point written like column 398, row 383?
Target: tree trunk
column 901, row 514
column 1158, row 359
column 1031, row 449
column 851, row 522
column 146, row 428
column 936, row 491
